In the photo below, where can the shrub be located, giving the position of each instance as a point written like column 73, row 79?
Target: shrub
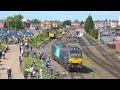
column 27, row 54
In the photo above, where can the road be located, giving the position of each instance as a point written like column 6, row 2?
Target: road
column 11, row 60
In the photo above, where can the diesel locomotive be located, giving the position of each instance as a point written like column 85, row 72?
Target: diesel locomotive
column 70, row 56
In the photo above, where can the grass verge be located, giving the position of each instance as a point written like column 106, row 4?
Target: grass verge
column 87, row 62
column 2, row 48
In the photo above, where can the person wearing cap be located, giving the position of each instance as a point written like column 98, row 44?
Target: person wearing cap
column 9, row 71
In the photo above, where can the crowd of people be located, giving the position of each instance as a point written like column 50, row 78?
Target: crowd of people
column 2, row 53
column 38, row 74
column 32, row 73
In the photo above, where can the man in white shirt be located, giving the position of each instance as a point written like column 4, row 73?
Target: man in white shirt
column 31, row 71
column 22, row 52
column 3, row 54
column 41, row 72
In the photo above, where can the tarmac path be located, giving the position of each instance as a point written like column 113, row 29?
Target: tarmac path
column 11, row 60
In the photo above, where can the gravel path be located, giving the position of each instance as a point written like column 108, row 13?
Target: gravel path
column 11, row 60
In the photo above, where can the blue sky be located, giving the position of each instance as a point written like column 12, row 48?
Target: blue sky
column 63, row 15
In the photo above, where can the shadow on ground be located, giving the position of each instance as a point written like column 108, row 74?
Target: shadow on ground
column 2, row 68
column 1, row 64
column 83, row 70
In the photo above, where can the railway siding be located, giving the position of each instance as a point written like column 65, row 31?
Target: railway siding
column 100, row 63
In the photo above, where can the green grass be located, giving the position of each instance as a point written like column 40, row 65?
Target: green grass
column 86, row 62
column 38, row 39
column 94, row 48
column 91, row 37
column 27, row 62
column 2, row 48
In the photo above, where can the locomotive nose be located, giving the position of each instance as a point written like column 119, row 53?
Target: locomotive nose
column 75, row 60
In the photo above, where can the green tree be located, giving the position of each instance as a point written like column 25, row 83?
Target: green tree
column 67, row 22
column 89, row 24
column 36, row 21
column 18, row 21
column 10, row 22
column 76, row 21
column 14, row 22
column 59, row 25
column 82, row 22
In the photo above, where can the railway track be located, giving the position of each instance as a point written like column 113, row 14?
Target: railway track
column 73, row 75
column 97, row 60
column 112, row 60
column 76, row 75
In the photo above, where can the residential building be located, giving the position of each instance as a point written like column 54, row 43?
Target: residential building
column 42, row 24
column 32, row 26
column 2, row 24
column 54, row 24
column 105, row 23
column 75, row 24
column 46, row 25
column 114, row 23
column 117, row 41
column 101, row 24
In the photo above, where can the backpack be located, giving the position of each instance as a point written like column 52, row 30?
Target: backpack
column 9, row 71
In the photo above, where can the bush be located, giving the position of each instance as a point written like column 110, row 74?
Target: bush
column 11, row 42
column 96, row 34
column 27, row 54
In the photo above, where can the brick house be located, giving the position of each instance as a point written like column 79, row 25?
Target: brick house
column 114, row 23
column 46, row 25
column 42, row 24
column 104, row 23
column 117, row 41
column 54, row 24
column 2, row 24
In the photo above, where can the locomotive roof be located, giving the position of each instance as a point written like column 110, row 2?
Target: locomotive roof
column 66, row 47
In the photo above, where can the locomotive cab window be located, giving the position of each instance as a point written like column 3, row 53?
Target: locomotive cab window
column 74, row 52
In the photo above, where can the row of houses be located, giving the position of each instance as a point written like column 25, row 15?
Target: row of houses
column 48, row 24
column 106, row 23
column 43, row 25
